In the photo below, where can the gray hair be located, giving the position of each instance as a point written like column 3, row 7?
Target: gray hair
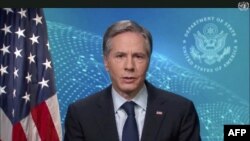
column 125, row 26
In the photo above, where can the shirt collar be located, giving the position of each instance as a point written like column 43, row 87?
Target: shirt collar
column 140, row 99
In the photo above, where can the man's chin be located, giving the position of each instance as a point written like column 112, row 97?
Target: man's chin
column 129, row 90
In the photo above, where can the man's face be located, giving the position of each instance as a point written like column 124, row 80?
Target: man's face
column 127, row 62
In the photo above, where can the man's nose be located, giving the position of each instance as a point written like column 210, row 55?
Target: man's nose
column 129, row 64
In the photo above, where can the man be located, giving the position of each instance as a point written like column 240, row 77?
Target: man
column 131, row 109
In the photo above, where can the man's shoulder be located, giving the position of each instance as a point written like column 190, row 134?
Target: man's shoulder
column 171, row 96
column 91, row 99
column 168, row 96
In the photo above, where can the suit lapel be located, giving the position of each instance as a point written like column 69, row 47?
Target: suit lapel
column 154, row 115
column 106, row 116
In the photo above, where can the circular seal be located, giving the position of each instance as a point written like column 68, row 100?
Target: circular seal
column 243, row 5
column 210, row 44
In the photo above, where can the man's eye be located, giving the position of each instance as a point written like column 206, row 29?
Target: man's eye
column 140, row 56
column 119, row 56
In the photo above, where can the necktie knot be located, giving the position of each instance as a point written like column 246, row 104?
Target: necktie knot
column 129, row 108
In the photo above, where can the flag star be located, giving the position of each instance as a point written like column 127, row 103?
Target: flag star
column 2, row 91
column 8, row 10
column 20, row 33
column 38, row 19
column 16, row 73
column 22, row 13
column 44, row 83
column 26, row 97
column 14, row 93
column 3, row 70
column 31, row 58
column 28, row 77
column 34, row 39
column 6, row 29
column 13, row 112
column 48, row 45
column 18, row 52
column 5, row 49
column 47, row 64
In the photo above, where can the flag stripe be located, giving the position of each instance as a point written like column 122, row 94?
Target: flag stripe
column 18, row 133
column 5, row 127
column 30, row 129
column 44, row 122
column 53, row 107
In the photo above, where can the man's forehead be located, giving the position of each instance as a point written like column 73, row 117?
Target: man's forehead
column 128, row 51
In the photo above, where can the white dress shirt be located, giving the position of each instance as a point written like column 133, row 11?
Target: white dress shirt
column 140, row 110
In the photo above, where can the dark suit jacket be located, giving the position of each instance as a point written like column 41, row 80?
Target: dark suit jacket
column 93, row 118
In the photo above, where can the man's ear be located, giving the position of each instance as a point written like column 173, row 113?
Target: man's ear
column 106, row 63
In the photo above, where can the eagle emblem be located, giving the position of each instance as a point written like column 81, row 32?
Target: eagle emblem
column 209, row 46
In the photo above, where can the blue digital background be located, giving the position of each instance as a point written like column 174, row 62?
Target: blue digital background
column 220, row 97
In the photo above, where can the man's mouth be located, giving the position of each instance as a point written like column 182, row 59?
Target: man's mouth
column 128, row 79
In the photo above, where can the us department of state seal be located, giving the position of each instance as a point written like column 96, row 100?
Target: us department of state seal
column 210, row 44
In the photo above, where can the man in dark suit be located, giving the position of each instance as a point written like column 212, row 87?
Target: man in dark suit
column 131, row 109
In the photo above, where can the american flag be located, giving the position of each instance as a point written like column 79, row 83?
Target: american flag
column 29, row 108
